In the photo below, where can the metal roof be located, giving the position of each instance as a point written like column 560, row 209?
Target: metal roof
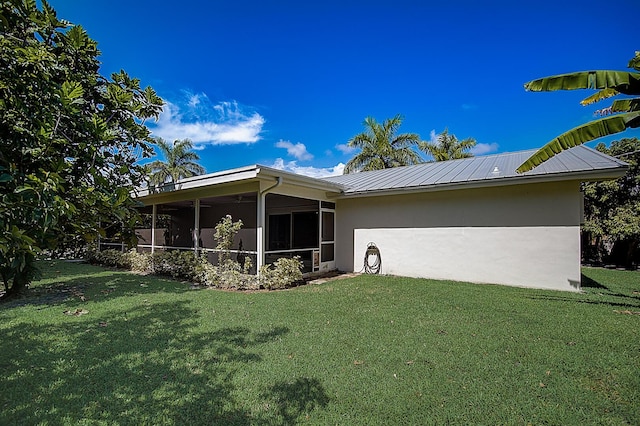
column 579, row 163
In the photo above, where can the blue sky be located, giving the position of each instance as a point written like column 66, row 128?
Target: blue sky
column 287, row 83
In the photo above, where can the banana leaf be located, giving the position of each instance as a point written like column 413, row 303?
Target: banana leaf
column 599, row 96
column 581, row 134
column 624, row 82
column 626, row 105
column 635, row 61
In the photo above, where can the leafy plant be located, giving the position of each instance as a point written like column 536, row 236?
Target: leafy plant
column 448, row 147
column 175, row 263
column 186, row 265
column 285, row 272
column 612, row 210
column 180, row 162
column 608, row 84
column 70, row 139
column 135, row 261
column 381, row 147
column 224, row 233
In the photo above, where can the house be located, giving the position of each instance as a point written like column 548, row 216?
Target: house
column 472, row 219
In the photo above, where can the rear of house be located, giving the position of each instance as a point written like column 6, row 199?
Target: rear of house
column 473, row 219
column 516, row 235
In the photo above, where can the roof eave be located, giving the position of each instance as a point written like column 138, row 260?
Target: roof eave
column 309, row 182
column 244, row 174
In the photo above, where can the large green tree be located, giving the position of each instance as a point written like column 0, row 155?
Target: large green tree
column 621, row 115
column 448, row 147
column 180, row 162
column 612, row 209
column 381, row 147
column 70, row 139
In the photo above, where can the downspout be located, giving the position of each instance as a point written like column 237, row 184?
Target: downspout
column 261, row 222
column 196, row 227
column 274, row 186
column 154, row 213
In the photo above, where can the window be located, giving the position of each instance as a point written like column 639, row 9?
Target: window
column 327, row 226
column 279, row 232
column 305, row 230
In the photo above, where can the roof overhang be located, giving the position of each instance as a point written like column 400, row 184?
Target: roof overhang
column 246, row 179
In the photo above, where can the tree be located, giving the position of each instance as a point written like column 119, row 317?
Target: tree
column 381, row 148
column 612, row 209
column 69, row 139
column 448, row 147
column 180, row 162
column 608, row 84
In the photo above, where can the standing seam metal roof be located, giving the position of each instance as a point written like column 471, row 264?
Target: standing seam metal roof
column 580, row 159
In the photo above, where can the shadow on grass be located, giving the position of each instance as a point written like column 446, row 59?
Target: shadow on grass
column 598, row 294
column 297, row 398
column 147, row 366
column 588, row 282
column 95, row 287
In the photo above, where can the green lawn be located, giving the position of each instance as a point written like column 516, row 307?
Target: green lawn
column 367, row 350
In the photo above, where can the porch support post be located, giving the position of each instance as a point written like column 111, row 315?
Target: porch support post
column 261, row 221
column 196, row 227
column 260, row 231
column 154, row 213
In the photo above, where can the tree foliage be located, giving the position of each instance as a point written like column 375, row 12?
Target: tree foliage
column 612, row 208
column 448, row 147
column 180, row 162
column 381, row 147
column 69, row 138
column 608, row 84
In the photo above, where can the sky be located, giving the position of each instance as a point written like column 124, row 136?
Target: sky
column 286, row 84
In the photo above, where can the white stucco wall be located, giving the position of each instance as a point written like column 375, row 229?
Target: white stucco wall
column 524, row 235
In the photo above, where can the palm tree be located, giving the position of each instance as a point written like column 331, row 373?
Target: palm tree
column 448, row 147
column 180, row 162
column 608, row 84
column 381, row 148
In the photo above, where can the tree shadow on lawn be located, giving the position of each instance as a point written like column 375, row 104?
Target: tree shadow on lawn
column 149, row 366
column 298, row 397
column 604, row 296
column 102, row 285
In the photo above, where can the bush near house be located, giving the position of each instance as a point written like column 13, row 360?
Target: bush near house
column 196, row 268
column 187, row 266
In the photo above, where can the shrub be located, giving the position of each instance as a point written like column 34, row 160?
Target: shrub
column 225, row 232
column 134, row 261
column 108, row 257
column 285, row 272
column 185, row 265
column 175, row 263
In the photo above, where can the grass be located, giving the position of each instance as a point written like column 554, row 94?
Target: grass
column 363, row 351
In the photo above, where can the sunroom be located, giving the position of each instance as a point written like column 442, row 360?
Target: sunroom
column 283, row 215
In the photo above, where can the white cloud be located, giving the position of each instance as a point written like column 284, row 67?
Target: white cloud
column 206, row 123
column 433, row 137
column 484, row 148
column 310, row 171
column 194, row 100
column 298, row 150
column 345, row 148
